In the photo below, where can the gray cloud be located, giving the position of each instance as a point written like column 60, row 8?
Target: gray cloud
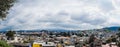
column 64, row 14
column 94, row 19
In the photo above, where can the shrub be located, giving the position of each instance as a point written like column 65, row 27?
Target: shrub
column 4, row 44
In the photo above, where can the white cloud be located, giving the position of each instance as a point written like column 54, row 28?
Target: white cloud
column 64, row 14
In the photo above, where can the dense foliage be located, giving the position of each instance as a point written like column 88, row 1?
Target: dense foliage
column 4, row 44
column 5, row 5
column 10, row 34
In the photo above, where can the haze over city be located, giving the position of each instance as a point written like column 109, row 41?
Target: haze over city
column 62, row 14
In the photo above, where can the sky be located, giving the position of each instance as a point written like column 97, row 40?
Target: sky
column 62, row 14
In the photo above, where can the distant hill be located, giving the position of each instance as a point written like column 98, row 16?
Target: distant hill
column 115, row 28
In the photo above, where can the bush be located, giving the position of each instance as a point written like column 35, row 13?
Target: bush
column 4, row 44
column 108, row 41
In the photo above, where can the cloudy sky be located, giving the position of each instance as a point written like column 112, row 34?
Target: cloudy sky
column 62, row 14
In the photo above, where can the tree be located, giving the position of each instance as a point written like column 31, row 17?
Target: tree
column 92, row 38
column 5, row 5
column 111, row 39
column 80, row 34
column 4, row 44
column 118, row 29
column 118, row 37
column 118, row 33
column 10, row 34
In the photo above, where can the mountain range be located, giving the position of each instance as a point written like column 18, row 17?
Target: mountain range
column 114, row 28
